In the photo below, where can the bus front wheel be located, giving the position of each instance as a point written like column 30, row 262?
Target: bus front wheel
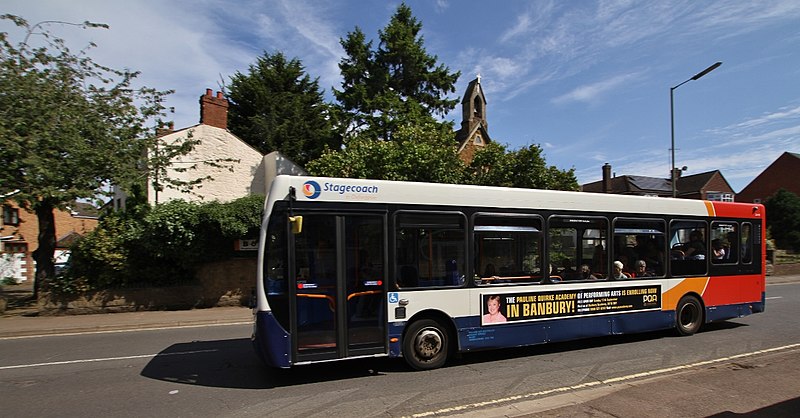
column 688, row 315
column 426, row 345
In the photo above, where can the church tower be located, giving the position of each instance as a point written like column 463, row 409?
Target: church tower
column 474, row 128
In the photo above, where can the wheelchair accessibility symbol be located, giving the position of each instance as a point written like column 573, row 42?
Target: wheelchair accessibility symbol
column 394, row 297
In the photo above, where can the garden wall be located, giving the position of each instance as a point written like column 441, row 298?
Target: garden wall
column 223, row 283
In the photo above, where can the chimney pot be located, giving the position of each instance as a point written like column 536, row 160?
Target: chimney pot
column 606, row 178
column 214, row 110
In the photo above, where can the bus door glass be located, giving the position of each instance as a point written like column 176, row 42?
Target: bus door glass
column 338, row 286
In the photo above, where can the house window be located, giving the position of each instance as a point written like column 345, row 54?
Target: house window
column 719, row 196
column 478, row 140
column 10, row 216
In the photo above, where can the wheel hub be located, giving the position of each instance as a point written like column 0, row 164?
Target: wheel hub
column 428, row 343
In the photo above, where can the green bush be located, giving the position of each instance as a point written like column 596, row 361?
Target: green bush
column 162, row 245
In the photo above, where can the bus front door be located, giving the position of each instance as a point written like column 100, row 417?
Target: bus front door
column 338, row 286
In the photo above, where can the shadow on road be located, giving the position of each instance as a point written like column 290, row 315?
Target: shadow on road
column 786, row 408
column 233, row 363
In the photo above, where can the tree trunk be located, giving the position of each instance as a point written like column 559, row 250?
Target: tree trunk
column 43, row 255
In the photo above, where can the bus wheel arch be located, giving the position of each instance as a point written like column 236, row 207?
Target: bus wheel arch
column 428, row 340
column 689, row 314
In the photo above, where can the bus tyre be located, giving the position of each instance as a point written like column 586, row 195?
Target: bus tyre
column 688, row 315
column 426, row 345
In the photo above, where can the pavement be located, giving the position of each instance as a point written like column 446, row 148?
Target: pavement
column 19, row 326
column 764, row 384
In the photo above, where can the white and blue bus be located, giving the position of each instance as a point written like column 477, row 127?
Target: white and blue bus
column 354, row 268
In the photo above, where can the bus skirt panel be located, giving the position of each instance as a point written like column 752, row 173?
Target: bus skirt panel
column 472, row 336
column 723, row 312
column 271, row 341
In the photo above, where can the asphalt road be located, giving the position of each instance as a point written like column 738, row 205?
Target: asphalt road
column 212, row 371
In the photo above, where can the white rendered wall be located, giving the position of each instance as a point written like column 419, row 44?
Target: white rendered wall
column 246, row 178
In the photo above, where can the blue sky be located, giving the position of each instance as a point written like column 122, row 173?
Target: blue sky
column 588, row 80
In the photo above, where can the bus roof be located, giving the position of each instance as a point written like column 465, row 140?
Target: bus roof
column 327, row 189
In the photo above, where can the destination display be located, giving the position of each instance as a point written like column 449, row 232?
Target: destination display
column 510, row 307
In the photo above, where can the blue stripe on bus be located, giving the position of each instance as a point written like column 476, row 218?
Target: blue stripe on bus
column 473, row 337
column 719, row 313
column 271, row 341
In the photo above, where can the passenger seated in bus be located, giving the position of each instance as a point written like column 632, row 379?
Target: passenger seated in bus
column 551, row 276
column 617, row 273
column 731, row 246
column 599, row 259
column 586, row 273
column 641, row 269
column 625, row 262
column 695, row 249
column 717, row 251
column 567, row 273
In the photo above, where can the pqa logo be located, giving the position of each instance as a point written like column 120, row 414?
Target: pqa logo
column 311, row 189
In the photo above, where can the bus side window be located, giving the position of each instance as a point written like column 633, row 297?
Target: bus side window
column 508, row 249
column 575, row 243
column 689, row 248
column 430, row 249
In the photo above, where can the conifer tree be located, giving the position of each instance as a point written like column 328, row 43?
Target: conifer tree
column 276, row 106
column 398, row 83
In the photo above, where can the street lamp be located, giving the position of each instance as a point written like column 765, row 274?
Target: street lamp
column 672, row 118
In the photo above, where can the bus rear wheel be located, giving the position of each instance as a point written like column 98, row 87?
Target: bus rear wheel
column 688, row 315
column 426, row 345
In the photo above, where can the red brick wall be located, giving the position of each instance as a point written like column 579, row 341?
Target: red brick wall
column 28, row 230
column 716, row 184
column 783, row 173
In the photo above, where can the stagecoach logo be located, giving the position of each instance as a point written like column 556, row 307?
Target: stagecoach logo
column 311, row 189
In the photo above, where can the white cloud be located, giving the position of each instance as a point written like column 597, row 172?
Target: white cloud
column 591, row 92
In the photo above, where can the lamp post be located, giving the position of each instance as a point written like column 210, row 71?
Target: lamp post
column 672, row 119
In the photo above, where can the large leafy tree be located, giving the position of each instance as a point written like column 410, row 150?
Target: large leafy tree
column 397, row 83
column 783, row 219
column 417, row 153
column 276, row 106
column 68, row 127
column 526, row 168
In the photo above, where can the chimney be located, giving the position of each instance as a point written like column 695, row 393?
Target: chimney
column 214, row 110
column 165, row 129
column 607, row 178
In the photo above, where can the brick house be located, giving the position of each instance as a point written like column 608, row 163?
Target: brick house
column 19, row 231
column 710, row 185
column 781, row 174
column 474, row 132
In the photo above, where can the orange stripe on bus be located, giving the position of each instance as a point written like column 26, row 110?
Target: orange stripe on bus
column 692, row 284
column 710, row 208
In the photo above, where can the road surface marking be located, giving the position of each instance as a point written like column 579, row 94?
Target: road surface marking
column 461, row 408
column 114, row 331
column 95, row 360
column 775, row 297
